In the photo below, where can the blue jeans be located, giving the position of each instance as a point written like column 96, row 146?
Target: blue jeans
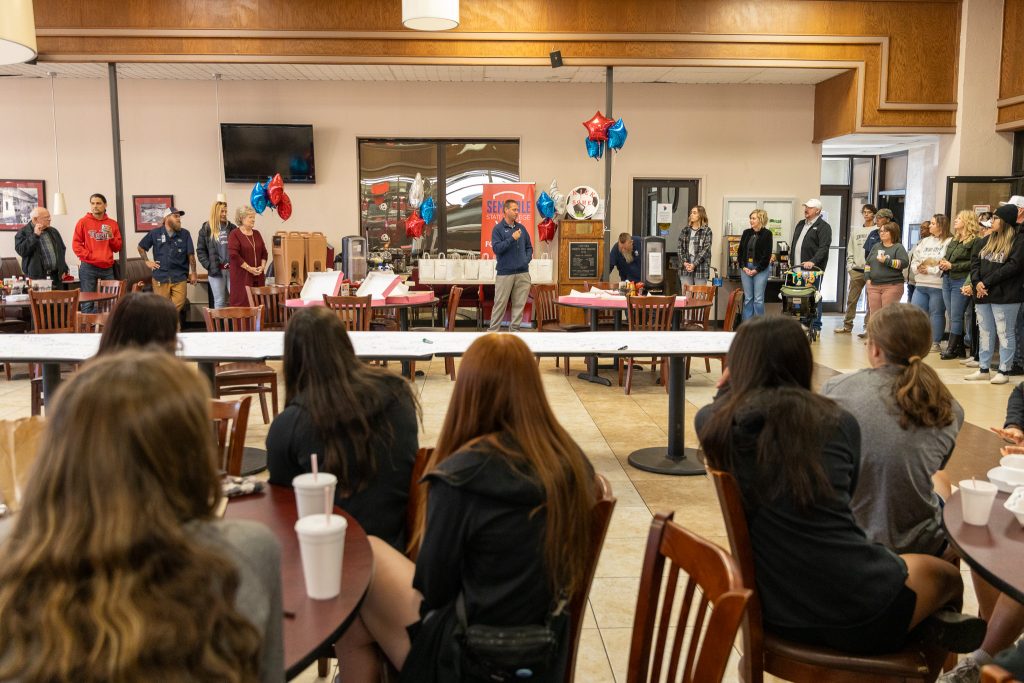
column 956, row 303
column 753, row 293
column 996, row 321
column 88, row 274
column 929, row 299
column 219, row 288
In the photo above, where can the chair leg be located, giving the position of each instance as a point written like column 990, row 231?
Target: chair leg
column 36, row 390
column 687, row 367
column 449, row 367
column 7, row 371
column 664, row 373
column 707, row 364
column 273, row 394
column 323, row 666
column 566, row 365
column 629, row 377
column 538, row 360
column 263, row 405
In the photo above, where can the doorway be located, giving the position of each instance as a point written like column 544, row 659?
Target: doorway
column 835, row 202
column 661, row 208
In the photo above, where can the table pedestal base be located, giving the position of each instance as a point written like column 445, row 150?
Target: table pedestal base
column 657, row 460
column 595, row 378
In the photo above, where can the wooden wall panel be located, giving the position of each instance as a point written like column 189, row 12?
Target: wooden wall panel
column 835, row 107
column 1011, row 68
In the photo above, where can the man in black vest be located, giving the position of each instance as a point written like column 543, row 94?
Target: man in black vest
column 812, row 238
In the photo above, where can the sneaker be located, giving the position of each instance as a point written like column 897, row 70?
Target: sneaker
column 968, row 359
column 999, row 378
column 967, row 671
column 843, row 330
column 971, row 363
column 863, row 335
column 955, row 631
column 978, row 374
column 936, row 348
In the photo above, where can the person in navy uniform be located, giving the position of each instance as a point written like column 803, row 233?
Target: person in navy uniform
column 174, row 258
column 514, row 251
column 626, row 258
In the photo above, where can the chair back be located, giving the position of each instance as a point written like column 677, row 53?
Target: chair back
column 92, row 322
column 709, row 569
column 600, row 518
column 272, row 298
column 115, row 287
column 54, row 312
column 650, row 313
column 453, row 308
column 9, row 267
column 233, row 319
column 699, row 292
column 732, row 309
column 545, row 306
column 355, row 312
column 230, row 420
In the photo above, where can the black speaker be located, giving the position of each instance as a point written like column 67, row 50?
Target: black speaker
column 556, row 59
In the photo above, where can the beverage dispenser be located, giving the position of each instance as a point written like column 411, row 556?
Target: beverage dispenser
column 353, row 257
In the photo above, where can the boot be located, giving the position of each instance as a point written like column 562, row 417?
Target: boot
column 953, row 347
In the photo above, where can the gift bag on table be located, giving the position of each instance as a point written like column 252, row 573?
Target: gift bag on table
column 542, row 270
column 471, row 268
column 441, row 268
column 488, row 269
column 456, row 268
column 426, row 267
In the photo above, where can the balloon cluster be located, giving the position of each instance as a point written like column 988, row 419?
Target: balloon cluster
column 423, row 209
column 271, row 195
column 601, row 129
column 550, row 205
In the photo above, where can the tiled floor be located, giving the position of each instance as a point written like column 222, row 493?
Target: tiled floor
column 609, row 425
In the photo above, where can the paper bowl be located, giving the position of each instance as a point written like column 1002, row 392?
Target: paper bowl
column 1015, row 504
column 1014, row 462
column 1006, row 478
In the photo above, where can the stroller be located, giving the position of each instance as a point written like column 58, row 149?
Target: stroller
column 801, row 298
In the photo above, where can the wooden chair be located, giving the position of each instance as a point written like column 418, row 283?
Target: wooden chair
column 355, row 312
column 230, row 420
column 54, row 312
column 545, row 315
column 731, row 309
column 10, row 327
column 711, row 570
column 990, row 673
column 452, row 312
column 115, row 287
column 232, row 379
column 92, row 322
column 272, row 298
column 649, row 314
column 766, row 653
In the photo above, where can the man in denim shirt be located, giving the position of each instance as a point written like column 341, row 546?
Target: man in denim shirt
column 513, row 250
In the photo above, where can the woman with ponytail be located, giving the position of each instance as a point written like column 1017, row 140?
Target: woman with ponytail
column 908, row 424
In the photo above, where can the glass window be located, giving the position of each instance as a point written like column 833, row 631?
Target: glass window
column 468, row 167
column 835, row 171
column 387, row 170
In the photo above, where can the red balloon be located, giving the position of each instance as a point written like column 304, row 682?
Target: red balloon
column 546, row 230
column 597, row 127
column 414, row 225
column 284, row 207
column 275, row 188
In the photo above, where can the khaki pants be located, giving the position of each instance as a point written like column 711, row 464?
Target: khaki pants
column 177, row 292
column 857, row 282
column 515, row 287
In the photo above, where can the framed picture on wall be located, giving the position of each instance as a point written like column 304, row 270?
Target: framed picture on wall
column 17, row 199
column 149, row 210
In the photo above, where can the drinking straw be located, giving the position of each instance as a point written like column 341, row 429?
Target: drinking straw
column 327, row 505
column 315, row 468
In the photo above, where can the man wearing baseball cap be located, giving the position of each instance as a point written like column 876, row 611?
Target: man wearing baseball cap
column 174, row 258
column 811, row 240
column 1018, row 201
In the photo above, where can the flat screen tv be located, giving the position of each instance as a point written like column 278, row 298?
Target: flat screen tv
column 256, row 151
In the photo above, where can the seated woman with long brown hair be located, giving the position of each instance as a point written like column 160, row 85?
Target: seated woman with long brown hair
column 116, row 568
column 359, row 420
column 506, row 526
column 140, row 319
column 795, row 456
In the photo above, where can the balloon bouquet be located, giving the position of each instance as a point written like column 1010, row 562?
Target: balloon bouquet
column 423, row 209
column 271, row 195
column 550, row 205
column 601, row 129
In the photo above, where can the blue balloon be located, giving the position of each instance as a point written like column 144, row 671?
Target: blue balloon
column 595, row 148
column 427, row 209
column 617, row 135
column 258, row 197
column 546, row 205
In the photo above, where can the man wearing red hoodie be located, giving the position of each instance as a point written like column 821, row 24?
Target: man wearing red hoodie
column 97, row 238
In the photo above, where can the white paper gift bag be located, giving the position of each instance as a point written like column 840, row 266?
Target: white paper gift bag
column 541, row 270
column 426, row 267
column 441, row 268
column 488, row 268
column 471, row 268
column 455, row 268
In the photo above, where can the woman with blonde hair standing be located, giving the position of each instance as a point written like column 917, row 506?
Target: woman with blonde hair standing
column 956, row 266
column 212, row 251
column 755, row 254
column 248, row 256
column 117, row 568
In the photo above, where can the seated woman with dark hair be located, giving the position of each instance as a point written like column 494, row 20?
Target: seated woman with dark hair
column 795, row 456
column 116, row 568
column 140, row 319
column 361, row 421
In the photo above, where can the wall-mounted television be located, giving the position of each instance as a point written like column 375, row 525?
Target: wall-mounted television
column 256, row 151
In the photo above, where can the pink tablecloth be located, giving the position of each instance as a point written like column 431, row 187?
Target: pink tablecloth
column 617, row 302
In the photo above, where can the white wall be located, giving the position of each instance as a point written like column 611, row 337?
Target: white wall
column 738, row 140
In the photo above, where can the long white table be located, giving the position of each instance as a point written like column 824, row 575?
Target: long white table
column 207, row 348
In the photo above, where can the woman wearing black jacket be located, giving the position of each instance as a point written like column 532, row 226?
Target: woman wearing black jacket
column 212, row 252
column 997, row 275
column 755, row 255
column 507, row 526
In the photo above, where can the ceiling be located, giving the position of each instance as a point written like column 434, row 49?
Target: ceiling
column 872, row 145
column 427, row 73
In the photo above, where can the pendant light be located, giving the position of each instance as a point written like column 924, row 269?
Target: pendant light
column 17, row 32
column 59, row 207
column 430, row 15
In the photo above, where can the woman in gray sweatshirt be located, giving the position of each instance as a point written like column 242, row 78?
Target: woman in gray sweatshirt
column 884, row 268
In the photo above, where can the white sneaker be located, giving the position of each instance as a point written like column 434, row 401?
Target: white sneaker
column 999, row 378
column 967, row 671
column 971, row 363
column 936, row 348
column 978, row 374
column 966, row 361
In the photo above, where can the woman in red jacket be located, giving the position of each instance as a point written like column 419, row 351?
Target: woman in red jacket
column 248, row 256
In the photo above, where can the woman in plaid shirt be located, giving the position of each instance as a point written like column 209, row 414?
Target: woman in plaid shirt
column 695, row 249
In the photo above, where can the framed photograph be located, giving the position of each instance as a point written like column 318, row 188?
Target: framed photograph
column 17, row 199
column 149, row 210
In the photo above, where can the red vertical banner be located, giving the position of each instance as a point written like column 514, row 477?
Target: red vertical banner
column 494, row 199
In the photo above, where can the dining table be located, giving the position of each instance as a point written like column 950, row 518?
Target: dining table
column 995, row 551
column 311, row 627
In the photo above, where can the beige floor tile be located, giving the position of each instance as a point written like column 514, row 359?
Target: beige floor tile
column 592, row 664
column 620, row 557
column 631, row 522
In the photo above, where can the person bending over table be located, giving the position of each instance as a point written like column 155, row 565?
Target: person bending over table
column 506, row 526
column 116, row 567
column 626, row 258
column 514, row 251
column 359, row 420
column 141, row 319
column 795, row 456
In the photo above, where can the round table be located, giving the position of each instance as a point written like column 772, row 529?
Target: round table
column 311, row 627
column 995, row 551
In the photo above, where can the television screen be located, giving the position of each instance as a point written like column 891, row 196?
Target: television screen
column 255, row 152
